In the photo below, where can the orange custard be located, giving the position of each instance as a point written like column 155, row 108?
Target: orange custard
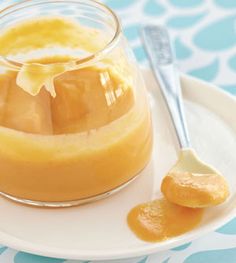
column 67, row 134
column 159, row 220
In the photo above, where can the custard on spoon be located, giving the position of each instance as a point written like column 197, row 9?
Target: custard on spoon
column 191, row 182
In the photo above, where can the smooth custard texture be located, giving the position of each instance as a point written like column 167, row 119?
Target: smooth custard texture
column 160, row 220
column 195, row 190
column 92, row 136
column 49, row 32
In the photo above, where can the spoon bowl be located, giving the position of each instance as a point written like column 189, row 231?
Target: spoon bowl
column 193, row 183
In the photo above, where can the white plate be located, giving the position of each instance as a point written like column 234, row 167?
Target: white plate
column 98, row 231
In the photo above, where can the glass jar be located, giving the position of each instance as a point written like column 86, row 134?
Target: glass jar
column 74, row 119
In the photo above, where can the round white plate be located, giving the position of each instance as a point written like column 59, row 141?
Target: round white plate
column 98, row 231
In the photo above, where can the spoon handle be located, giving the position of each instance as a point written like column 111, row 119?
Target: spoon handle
column 157, row 43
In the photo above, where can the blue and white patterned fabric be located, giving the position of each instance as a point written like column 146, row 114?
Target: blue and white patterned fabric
column 204, row 37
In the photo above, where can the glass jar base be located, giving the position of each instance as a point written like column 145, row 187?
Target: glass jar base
column 61, row 204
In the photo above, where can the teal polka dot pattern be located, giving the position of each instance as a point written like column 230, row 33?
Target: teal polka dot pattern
column 230, row 228
column 2, row 249
column 22, row 257
column 232, row 62
column 219, row 35
column 208, row 72
column 226, row 3
column 214, row 256
column 232, row 90
column 140, row 53
column 186, row 4
column 181, row 50
column 184, row 21
column 144, row 260
column 154, row 8
column 132, row 32
column 121, row 4
column 182, row 247
column 204, row 38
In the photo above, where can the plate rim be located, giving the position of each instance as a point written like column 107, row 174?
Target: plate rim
column 147, row 248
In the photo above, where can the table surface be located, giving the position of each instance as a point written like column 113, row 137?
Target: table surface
column 204, row 37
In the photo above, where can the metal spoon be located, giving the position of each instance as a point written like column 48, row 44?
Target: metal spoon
column 190, row 182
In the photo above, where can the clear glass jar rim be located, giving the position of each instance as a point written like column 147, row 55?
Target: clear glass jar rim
column 80, row 62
